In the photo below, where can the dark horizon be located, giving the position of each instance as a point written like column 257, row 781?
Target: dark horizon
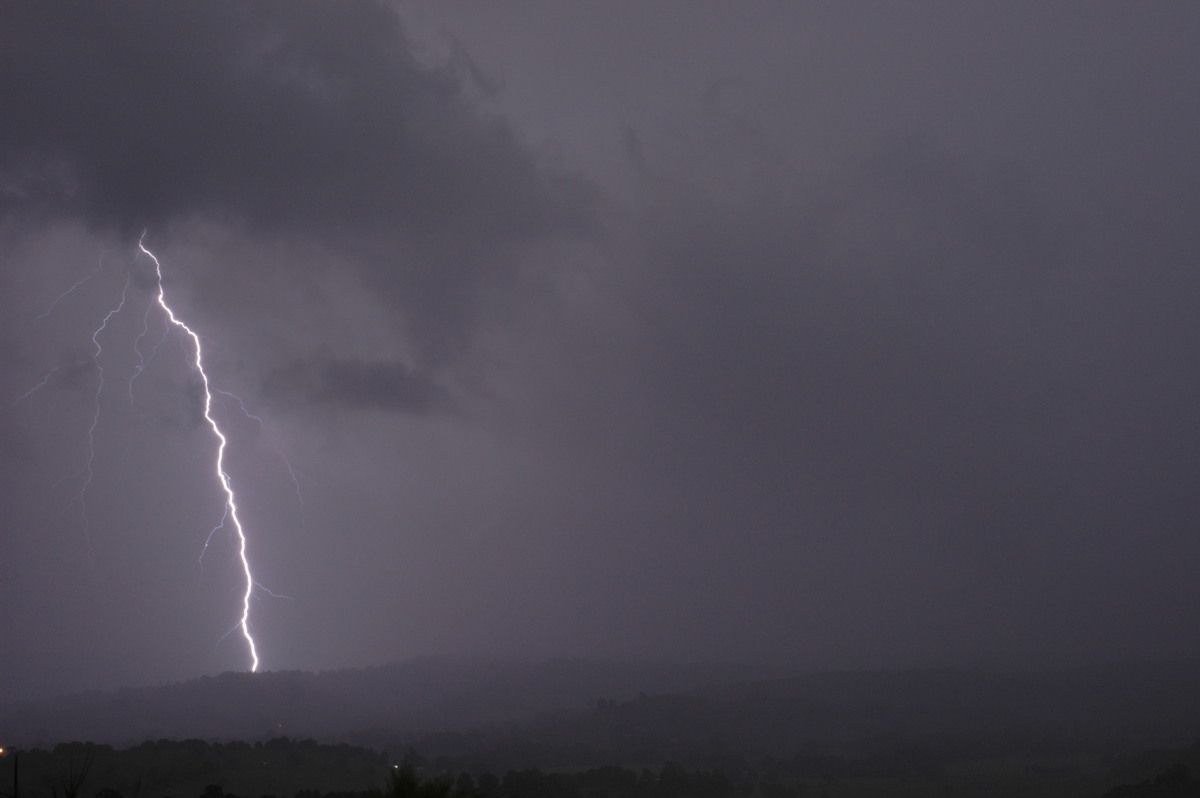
column 1114, row 709
column 755, row 671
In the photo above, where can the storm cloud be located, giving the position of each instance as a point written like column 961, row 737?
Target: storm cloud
column 356, row 384
column 283, row 119
column 825, row 336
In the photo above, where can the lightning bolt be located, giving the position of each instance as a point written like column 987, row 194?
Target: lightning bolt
column 97, row 351
column 50, row 309
column 229, row 517
column 262, row 426
column 81, row 497
column 231, row 508
column 45, row 381
column 71, row 290
column 137, row 350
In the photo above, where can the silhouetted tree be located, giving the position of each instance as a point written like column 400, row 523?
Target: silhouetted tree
column 77, row 770
column 405, row 783
column 1176, row 782
column 16, row 790
column 489, row 784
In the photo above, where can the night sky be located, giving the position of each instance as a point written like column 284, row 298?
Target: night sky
column 822, row 334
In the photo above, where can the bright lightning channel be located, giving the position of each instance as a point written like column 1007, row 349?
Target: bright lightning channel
column 231, row 510
column 262, row 425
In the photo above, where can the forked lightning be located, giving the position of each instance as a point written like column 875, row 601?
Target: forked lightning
column 231, row 510
column 230, row 513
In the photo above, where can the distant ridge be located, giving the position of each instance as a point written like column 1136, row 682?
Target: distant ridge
column 1147, row 703
column 419, row 695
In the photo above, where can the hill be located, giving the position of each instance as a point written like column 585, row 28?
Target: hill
column 419, row 695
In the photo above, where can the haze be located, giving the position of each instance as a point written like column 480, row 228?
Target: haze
column 821, row 335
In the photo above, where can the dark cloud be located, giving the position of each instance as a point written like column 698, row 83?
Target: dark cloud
column 297, row 119
column 273, row 113
column 354, row 384
column 898, row 363
column 865, row 339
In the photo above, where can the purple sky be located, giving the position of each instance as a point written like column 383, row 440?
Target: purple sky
column 834, row 334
